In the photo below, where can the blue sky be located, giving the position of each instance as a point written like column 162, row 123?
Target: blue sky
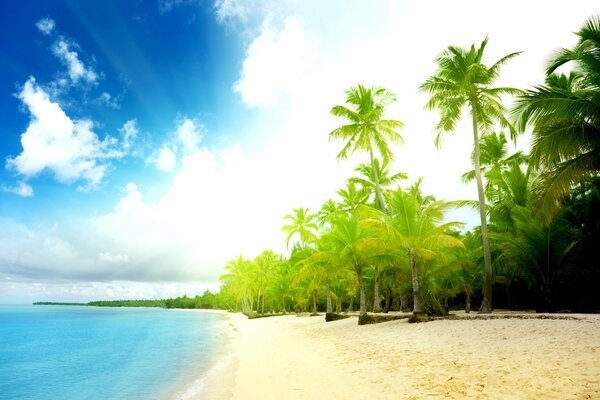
column 153, row 65
column 145, row 143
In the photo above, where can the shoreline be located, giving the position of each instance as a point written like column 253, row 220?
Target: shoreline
column 305, row 357
column 208, row 383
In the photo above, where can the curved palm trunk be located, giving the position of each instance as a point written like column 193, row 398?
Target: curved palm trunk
column 468, row 302
column 376, row 300
column 417, row 305
column 361, row 287
column 486, row 304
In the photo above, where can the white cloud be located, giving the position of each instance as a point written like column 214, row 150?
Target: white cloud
column 52, row 141
column 76, row 69
column 186, row 139
column 106, row 99
column 189, row 133
column 164, row 6
column 276, row 63
column 227, row 10
column 129, row 131
column 214, row 209
column 22, row 189
column 165, row 160
column 113, row 258
column 27, row 291
column 301, row 70
column 45, row 25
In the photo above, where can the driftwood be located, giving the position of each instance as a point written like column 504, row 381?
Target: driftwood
column 335, row 316
column 255, row 315
column 414, row 318
column 367, row 319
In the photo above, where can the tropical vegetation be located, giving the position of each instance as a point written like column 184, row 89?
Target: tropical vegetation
column 388, row 246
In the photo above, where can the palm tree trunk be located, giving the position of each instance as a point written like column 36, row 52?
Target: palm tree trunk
column 361, row 287
column 376, row 299
column 417, row 305
column 401, row 300
column 486, row 304
column 329, row 305
column 351, row 305
column 507, row 284
column 388, row 300
column 314, row 312
column 468, row 302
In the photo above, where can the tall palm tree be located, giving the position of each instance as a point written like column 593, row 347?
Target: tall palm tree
column 463, row 80
column 565, row 117
column 302, row 224
column 366, row 129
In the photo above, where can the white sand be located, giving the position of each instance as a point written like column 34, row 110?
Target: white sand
column 306, row 358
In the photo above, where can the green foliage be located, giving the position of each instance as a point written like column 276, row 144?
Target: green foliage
column 380, row 234
column 564, row 116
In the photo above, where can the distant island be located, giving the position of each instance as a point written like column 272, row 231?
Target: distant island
column 206, row 301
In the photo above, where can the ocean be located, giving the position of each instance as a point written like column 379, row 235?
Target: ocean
column 77, row 352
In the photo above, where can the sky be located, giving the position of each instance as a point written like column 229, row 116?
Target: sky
column 146, row 143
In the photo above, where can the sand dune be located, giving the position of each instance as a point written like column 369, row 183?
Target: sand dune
column 306, row 358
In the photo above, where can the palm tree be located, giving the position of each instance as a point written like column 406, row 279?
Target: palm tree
column 303, row 224
column 238, row 281
column 266, row 264
column 416, row 229
column 565, row 120
column 493, row 158
column 354, row 245
column 324, row 267
column 328, row 211
column 352, row 196
column 366, row 129
column 462, row 80
column 371, row 172
column 541, row 250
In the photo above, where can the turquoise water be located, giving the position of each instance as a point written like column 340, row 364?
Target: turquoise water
column 70, row 352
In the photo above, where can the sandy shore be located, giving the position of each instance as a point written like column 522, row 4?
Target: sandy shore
column 306, row 358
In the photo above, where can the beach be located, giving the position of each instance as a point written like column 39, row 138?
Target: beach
column 292, row 357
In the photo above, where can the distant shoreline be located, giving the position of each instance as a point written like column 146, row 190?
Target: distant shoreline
column 163, row 303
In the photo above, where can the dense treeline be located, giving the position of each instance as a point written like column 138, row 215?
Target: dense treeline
column 208, row 300
column 381, row 245
column 128, row 303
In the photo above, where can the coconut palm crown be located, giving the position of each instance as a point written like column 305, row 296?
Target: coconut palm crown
column 564, row 114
